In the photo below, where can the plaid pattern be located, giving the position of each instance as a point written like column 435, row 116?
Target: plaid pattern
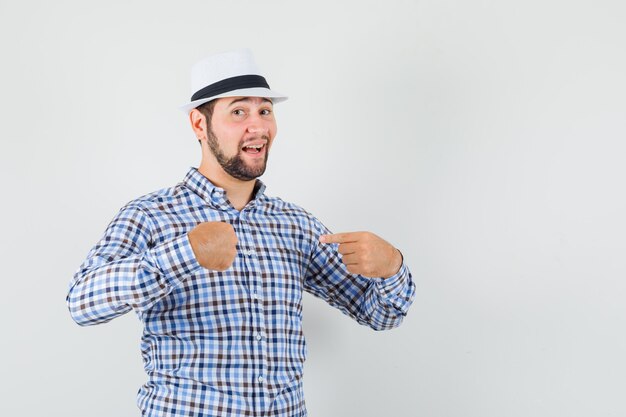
column 226, row 343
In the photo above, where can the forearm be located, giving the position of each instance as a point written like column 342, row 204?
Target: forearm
column 386, row 302
column 125, row 270
column 380, row 303
column 101, row 293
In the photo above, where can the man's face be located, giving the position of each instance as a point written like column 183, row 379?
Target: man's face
column 239, row 125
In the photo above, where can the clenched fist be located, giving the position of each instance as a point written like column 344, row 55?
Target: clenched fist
column 214, row 244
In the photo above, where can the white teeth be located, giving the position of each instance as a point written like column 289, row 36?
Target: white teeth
column 254, row 146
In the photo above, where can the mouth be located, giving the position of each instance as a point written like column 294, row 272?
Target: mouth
column 255, row 150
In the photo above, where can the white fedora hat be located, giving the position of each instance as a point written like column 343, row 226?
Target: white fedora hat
column 229, row 74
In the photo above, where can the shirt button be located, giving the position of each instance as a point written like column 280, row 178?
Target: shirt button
column 260, row 379
column 255, row 295
column 259, row 336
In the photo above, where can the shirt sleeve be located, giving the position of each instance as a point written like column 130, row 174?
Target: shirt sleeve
column 125, row 270
column 375, row 302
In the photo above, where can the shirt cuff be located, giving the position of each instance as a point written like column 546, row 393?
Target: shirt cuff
column 175, row 259
column 393, row 284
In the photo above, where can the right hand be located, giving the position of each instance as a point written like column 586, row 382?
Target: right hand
column 214, row 244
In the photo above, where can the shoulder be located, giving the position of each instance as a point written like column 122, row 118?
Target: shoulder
column 151, row 207
column 170, row 196
column 279, row 207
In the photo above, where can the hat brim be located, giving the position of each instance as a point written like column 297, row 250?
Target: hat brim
column 275, row 96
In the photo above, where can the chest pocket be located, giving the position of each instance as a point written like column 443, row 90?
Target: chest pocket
column 283, row 273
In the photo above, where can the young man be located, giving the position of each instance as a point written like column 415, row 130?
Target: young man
column 215, row 268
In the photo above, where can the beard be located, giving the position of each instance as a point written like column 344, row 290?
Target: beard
column 235, row 166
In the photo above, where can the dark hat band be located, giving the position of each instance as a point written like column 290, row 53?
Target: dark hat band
column 230, row 84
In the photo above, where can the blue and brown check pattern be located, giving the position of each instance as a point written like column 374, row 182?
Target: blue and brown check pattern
column 226, row 343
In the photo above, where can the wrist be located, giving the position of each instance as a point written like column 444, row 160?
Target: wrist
column 396, row 263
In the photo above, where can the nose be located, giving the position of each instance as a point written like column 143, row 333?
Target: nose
column 258, row 126
column 259, row 129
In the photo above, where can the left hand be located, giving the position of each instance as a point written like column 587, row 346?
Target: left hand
column 366, row 254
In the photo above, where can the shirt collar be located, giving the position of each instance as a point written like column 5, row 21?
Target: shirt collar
column 215, row 195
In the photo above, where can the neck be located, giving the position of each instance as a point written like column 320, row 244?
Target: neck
column 238, row 192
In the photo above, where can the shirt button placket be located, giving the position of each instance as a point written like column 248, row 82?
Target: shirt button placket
column 258, row 318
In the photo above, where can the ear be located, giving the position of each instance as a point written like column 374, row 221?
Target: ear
column 198, row 124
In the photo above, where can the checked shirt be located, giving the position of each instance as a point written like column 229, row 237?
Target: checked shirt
column 224, row 343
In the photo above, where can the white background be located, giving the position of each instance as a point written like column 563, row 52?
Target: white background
column 485, row 139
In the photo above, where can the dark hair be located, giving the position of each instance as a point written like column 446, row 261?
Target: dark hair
column 207, row 110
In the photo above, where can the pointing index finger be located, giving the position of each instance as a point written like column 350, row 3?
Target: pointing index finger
column 338, row 238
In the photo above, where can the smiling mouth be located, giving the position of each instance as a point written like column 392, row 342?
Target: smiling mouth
column 254, row 150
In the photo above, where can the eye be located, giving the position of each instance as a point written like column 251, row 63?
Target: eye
column 238, row 112
column 266, row 112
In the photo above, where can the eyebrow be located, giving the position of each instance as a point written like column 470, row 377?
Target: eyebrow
column 247, row 99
